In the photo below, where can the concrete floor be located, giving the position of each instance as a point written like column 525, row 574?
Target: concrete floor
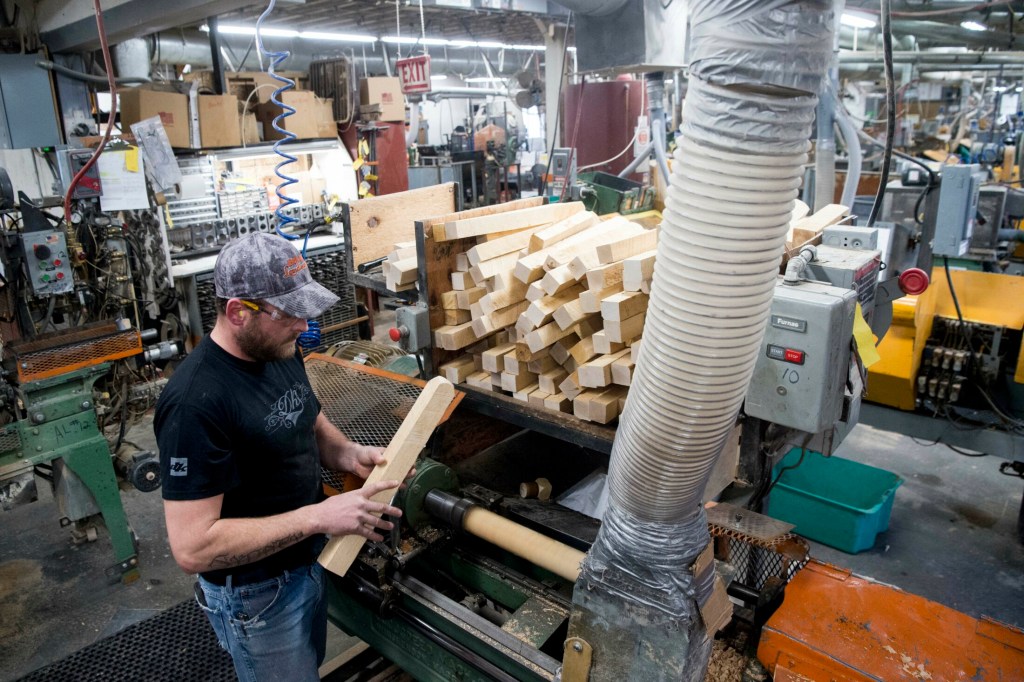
column 952, row 539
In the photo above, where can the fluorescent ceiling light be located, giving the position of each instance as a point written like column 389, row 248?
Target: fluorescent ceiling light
column 340, row 37
column 251, row 30
column 438, row 77
column 973, row 26
column 857, row 20
column 484, row 79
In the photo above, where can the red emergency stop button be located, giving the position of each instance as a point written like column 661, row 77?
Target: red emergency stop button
column 60, row 275
column 795, row 356
column 913, row 281
column 395, row 334
column 57, row 262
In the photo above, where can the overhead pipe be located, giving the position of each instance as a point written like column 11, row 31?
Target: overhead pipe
column 593, row 8
column 193, row 47
column 756, row 68
column 854, row 155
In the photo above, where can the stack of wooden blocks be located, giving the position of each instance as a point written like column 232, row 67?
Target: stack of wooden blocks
column 549, row 306
column 400, row 269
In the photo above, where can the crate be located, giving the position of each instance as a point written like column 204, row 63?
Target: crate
column 837, row 502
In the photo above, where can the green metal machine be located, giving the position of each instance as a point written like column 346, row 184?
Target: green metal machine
column 67, row 400
column 62, row 433
column 604, row 193
column 446, row 606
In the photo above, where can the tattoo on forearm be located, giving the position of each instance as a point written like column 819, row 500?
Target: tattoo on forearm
column 229, row 560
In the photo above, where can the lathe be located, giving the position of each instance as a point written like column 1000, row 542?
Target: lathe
column 476, row 582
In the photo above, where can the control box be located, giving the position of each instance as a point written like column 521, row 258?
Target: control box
column 69, row 163
column 848, row 268
column 801, row 372
column 958, row 206
column 561, row 171
column 412, row 328
column 47, row 263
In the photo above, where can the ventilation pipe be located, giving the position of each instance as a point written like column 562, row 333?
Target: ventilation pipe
column 132, row 59
column 756, row 68
column 593, row 8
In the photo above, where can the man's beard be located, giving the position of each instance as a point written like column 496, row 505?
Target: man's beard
column 260, row 348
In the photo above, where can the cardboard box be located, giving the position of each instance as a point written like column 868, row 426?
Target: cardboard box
column 387, row 92
column 326, row 126
column 241, row 84
column 148, row 101
column 219, row 121
column 250, row 129
column 313, row 117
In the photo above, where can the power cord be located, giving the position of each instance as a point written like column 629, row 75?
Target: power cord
column 890, row 105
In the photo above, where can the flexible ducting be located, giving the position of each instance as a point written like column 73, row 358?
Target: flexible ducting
column 855, row 157
column 755, row 71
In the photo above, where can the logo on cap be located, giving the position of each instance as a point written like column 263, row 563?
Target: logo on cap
column 294, row 266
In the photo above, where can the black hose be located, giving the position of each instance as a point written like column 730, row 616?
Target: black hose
column 890, row 104
column 87, row 77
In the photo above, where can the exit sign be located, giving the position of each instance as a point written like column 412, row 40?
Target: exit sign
column 414, row 73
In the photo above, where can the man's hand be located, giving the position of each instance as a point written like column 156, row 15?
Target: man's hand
column 360, row 459
column 354, row 513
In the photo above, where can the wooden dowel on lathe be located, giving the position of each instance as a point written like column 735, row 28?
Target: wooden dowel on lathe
column 555, row 556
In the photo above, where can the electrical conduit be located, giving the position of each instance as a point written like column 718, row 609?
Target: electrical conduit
column 755, row 70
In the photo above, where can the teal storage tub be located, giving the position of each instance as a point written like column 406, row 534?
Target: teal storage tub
column 837, row 502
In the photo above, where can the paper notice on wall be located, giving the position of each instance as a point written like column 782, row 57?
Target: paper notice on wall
column 123, row 189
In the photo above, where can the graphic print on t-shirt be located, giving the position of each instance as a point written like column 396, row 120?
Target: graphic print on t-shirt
column 286, row 410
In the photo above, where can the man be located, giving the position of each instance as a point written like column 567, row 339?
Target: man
column 241, row 440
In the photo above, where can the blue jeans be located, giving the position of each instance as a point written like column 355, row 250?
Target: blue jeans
column 275, row 629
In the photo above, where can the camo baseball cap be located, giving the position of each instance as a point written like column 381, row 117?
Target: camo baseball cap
column 266, row 267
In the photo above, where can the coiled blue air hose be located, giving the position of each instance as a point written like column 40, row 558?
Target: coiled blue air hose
column 311, row 338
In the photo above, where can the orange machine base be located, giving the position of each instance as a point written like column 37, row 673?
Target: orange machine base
column 838, row 627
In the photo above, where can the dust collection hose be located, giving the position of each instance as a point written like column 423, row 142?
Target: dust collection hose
column 756, row 67
column 311, row 338
column 748, row 116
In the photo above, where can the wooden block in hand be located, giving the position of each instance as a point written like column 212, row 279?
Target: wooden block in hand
column 399, row 458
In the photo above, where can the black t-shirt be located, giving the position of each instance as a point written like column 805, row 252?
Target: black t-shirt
column 245, row 430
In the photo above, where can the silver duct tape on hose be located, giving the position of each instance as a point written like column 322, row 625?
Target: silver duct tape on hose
column 663, row 551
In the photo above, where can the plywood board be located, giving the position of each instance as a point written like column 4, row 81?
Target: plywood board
column 378, row 223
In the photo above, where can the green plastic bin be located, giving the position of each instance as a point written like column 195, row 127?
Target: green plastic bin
column 837, row 502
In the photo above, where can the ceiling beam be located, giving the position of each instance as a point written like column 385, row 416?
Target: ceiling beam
column 70, row 32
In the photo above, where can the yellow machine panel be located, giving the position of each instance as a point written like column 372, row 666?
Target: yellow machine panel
column 984, row 297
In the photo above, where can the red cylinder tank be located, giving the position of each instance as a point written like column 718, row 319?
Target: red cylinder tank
column 606, row 123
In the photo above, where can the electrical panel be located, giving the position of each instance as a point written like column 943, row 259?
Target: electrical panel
column 413, row 323
column 69, row 162
column 47, row 263
column 801, row 372
column 848, row 268
column 561, row 171
column 958, row 206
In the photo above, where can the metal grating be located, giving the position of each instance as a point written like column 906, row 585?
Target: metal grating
column 368, row 408
column 40, row 363
column 756, row 566
column 759, row 548
column 178, row 644
column 10, row 438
